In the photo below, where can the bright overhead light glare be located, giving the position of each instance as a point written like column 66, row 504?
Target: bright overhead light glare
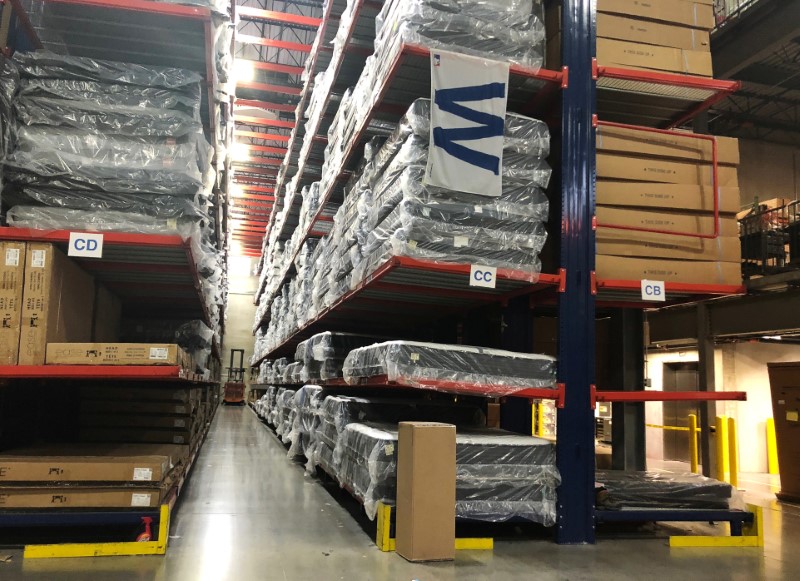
column 237, row 191
column 239, row 152
column 773, row 337
column 244, row 71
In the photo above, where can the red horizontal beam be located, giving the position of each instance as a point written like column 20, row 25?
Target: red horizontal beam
column 248, row 196
column 644, row 396
column 263, row 148
column 256, row 171
column 160, row 372
column 257, row 229
column 263, row 190
column 249, row 13
column 264, row 136
column 248, row 223
column 295, row 46
column 258, row 161
column 264, row 121
column 285, row 107
column 273, row 67
column 269, row 88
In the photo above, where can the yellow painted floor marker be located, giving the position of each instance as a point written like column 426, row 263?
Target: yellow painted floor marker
column 129, row 549
column 386, row 543
column 772, row 448
column 752, row 535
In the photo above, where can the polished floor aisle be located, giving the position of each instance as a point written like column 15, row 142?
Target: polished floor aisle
column 249, row 513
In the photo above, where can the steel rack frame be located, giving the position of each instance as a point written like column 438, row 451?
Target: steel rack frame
column 588, row 91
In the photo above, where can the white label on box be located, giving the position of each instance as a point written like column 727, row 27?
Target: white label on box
column 85, row 245
column 12, row 257
column 159, row 353
column 460, row 241
column 415, row 357
column 479, row 209
column 38, row 258
column 139, row 499
column 172, row 224
column 483, row 276
column 142, row 474
column 654, row 291
column 180, row 423
column 792, row 417
column 388, row 449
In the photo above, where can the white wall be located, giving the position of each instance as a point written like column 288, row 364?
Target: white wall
column 738, row 367
column 768, row 171
column 241, row 310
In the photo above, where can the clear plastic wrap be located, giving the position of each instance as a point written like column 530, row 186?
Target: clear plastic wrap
column 284, row 414
column 618, row 490
column 486, row 372
column 307, row 401
column 499, row 476
column 197, row 339
column 476, row 28
column 113, row 94
column 48, row 65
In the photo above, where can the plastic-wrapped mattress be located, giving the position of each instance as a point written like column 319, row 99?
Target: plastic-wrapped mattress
column 499, row 476
column 617, row 489
column 488, row 372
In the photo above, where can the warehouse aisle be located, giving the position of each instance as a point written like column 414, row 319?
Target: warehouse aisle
column 250, row 514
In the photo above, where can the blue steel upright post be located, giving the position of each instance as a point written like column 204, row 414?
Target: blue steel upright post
column 576, row 346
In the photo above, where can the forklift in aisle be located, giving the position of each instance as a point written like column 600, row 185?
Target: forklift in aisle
column 234, row 387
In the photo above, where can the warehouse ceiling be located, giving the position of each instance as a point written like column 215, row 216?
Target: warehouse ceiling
column 758, row 43
column 273, row 39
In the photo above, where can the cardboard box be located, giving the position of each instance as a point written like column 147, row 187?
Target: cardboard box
column 643, row 244
column 94, row 420
column 618, row 53
column 698, row 14
column 683, row 271
column 138, row 435
column 116, row 354
column 57, row 302
column 665, row 220
column 426, row 491
column 644, row 169
column 640, row 31
column 81, row 497
column 666, row 196
column 159, row 393
column 92, row 463
column 93, row 406
column 784, row 379
column 12, row 282
column 492, row 415
column 107, row 316
column 674, row 146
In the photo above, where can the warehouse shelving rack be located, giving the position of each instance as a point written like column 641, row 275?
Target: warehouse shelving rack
column 589, row 92
column 151, row 273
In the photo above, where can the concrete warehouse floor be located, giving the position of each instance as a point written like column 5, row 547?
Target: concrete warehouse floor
column 249, row 513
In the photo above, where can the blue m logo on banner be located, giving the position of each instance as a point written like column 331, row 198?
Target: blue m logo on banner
column 489, row 125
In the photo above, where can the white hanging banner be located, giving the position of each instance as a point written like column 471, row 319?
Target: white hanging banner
column 469, row 96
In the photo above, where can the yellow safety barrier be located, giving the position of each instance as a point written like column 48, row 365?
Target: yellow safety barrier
column 733, row 453
column 387, row 544
column 158, row 547
column 723, row 465
column 752, row 535
column 772, row 448
column 694, row 454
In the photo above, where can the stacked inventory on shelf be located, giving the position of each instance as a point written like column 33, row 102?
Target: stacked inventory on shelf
column 663, row 213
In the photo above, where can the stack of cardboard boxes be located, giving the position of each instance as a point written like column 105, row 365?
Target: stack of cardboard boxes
column 50, row 308
column 157, row 415
column 664, row 182
column 654, row 35
column 90, row 476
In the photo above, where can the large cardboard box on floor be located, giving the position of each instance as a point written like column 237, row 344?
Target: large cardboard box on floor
column 690, row 198
column 784, row 379
column 58, row 300
column 82, row 497
column 117, row 354
column 677, row 145
column 12, row 281
column 647, row 169
column 90, row 463
column 426, row 491
column 682, row 271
